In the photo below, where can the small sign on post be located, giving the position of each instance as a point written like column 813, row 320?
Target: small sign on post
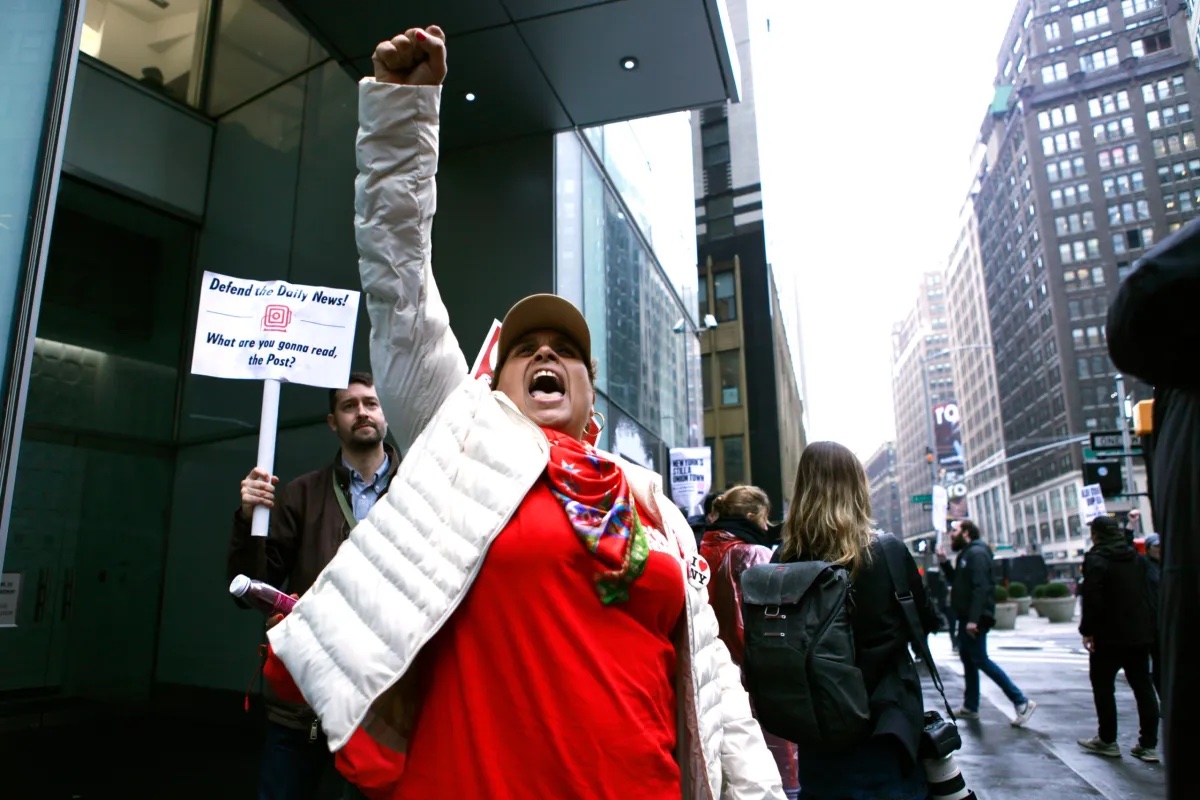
column 275, row 332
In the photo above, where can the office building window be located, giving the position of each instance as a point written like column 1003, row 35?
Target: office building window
column 702, row 302
column 725, row 296
column 1052, row 73
column 1100, row 59
column 1154, row 43
column 729, row 365
column 1131, row 7
column 159, row 44
column 734, row 450
column 1053, row 31
column 1090, row 19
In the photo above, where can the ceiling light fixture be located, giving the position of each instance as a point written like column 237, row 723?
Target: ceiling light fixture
column 629, row 63
column 470, row 97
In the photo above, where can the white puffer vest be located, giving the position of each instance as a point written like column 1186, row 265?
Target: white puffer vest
column 470, row 459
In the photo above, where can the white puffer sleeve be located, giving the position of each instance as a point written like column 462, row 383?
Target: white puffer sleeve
column 415, row 357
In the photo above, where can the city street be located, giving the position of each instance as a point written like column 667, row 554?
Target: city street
column 1042, row 760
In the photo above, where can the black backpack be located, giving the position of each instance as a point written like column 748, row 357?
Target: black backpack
column 799, row 659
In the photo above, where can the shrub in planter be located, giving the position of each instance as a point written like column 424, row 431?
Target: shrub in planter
column 1057, row 590
column 1020, row 593
column 1040, row 591
column 1006, row 611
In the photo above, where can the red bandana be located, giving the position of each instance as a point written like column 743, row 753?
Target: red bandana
column 596, row 497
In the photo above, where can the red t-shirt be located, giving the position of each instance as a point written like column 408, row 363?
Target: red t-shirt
column 535, row 689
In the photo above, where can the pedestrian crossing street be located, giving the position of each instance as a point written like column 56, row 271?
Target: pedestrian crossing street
column 1016, row 647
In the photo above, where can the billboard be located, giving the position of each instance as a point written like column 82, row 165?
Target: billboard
column 947, row 435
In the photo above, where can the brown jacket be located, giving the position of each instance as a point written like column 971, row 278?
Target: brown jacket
column 307, row 528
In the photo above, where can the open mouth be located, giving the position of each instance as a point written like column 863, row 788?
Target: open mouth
column 546, row 385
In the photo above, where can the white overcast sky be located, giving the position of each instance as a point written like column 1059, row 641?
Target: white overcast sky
column 875, row 107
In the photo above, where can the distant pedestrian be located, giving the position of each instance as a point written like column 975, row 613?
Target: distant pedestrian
column 973, row 601
column 1118, row 630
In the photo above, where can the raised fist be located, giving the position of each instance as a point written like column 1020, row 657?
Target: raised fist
column 415, row 58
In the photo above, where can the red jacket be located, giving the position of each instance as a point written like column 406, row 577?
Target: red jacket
column 728, row 557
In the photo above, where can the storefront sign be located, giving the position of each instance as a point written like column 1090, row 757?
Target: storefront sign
column 691, row 477
column 272, row 330
column 10, row 595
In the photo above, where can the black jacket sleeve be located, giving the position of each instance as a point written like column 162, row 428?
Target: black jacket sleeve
column 1093, row 596
column 977, row 566
column 1152, row 331
column 280, row 545
column 947, row 570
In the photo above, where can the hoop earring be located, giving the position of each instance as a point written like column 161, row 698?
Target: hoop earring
column 592, row 421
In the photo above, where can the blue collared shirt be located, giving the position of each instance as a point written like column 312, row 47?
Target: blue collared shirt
column 363, row 493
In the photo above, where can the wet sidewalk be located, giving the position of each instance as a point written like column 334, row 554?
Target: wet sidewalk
column 1042, row 760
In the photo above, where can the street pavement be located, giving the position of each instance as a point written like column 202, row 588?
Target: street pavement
column 1042, row 761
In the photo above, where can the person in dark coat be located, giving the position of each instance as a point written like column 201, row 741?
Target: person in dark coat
column 1153, row 335
column 973, row 602
column 1118, row 629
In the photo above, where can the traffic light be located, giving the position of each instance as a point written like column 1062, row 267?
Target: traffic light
column 1107, row 474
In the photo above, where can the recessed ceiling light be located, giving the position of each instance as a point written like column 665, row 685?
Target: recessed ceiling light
column 470, row 97
column 629, row 63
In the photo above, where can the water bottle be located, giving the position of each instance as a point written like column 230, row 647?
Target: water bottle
column 263, row 596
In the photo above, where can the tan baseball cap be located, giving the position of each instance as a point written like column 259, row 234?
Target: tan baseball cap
column 544, row 312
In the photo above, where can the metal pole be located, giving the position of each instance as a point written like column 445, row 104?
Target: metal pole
column 932, row 445
column 1126, row 443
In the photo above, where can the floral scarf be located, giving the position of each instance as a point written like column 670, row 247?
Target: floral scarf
column 601, row 510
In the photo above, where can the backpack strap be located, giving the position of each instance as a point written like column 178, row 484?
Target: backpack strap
column 894, row 554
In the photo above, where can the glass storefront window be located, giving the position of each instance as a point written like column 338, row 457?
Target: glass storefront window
column 257, row 45
column 160, row 44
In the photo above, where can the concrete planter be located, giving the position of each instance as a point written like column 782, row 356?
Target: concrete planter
column 1023, row 605
column 1056, row 609
column 1006, row 616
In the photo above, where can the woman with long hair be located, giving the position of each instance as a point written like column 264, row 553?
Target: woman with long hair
column 739, row 538
column 522, row 615
column 830, row 520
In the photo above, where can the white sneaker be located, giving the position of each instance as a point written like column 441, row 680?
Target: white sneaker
column 963, row 713
column 1024, row 713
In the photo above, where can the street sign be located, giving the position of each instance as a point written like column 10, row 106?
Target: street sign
column 921, row 498
column 1107, row 441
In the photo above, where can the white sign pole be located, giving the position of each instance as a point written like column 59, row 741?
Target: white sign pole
column 267, row 427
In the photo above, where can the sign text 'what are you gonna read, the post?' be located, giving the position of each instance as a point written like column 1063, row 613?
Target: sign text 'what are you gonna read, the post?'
column 260, row 330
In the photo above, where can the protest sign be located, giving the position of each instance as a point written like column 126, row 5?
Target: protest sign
column 691, row 477
column 485, row 362
column 1091, row 503
column 260, row 330
column 275, row 332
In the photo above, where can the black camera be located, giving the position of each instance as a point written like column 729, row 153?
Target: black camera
column 939, row 738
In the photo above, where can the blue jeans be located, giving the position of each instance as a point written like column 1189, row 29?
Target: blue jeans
column 292, row 768
column 973, row 652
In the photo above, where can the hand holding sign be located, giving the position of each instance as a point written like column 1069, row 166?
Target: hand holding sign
column 275, row 332
column 414, row 58
column 258, row 489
